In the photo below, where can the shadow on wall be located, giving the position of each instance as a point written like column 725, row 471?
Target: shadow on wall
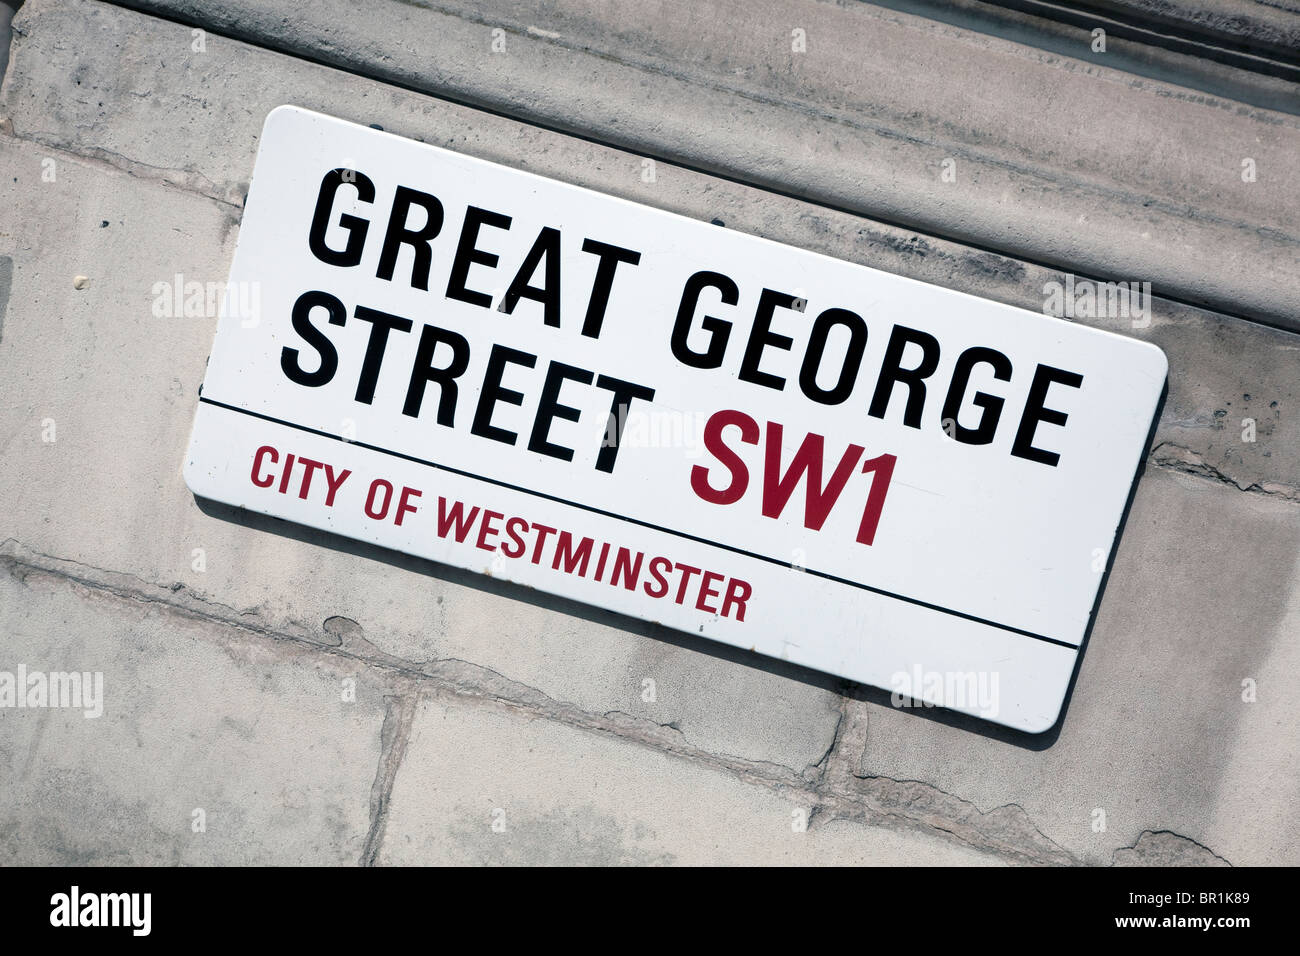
column 7, row 10
column 6, row 285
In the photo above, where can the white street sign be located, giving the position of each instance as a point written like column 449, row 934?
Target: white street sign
column 860, row 473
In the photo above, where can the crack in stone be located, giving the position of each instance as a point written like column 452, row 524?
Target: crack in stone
column 1183, row 459
column 98, row 157
column 820, row 768
column 1166, row 848
column 399, row 716
column 1007, row 829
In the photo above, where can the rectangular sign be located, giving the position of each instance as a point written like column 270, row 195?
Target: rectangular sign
column 857, row 472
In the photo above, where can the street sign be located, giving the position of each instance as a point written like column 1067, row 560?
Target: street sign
column 857, row 472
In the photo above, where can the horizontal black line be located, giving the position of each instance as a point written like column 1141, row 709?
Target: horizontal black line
column 637, row 521
column 1252, row 53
